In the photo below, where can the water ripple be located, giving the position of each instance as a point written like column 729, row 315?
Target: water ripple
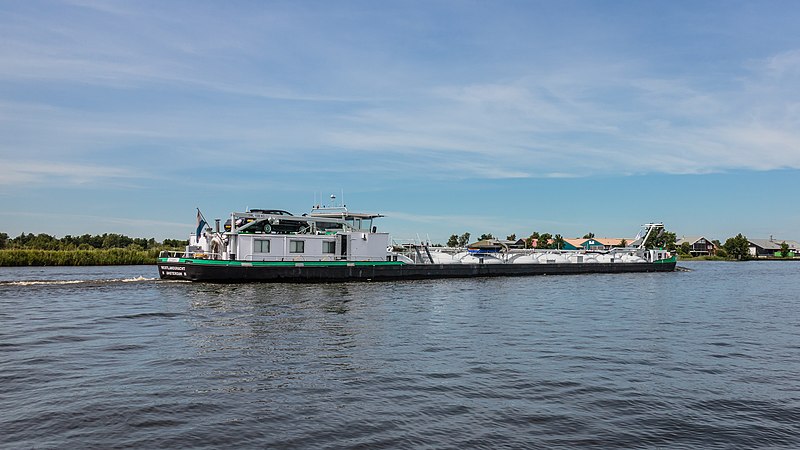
column 114, row 358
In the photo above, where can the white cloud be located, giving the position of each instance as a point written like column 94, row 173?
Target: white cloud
column 101, row 219
column 783, row 64
column 28, row 173
column 245, row 92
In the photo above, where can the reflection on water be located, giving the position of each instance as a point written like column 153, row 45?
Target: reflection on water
column 293, row 330
column 698, row 359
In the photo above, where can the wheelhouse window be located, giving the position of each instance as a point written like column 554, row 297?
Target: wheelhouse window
column 261, row 246
column 329, row 247
column 297, row 246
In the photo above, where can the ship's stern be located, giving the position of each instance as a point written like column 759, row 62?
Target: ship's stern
column 172, row 269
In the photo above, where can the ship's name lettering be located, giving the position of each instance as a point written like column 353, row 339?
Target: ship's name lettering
column 173, row 268
column 169, row 272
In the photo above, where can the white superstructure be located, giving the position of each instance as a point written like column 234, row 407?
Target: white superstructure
column 327, row 234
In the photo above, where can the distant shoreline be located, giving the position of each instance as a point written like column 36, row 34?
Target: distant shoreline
column 717, row 258
column 97, row 257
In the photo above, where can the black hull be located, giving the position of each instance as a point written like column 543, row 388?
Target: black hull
column 321, row 274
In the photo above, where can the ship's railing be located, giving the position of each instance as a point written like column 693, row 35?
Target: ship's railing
column 298, row 258
column 184, row 254
column 419, row 253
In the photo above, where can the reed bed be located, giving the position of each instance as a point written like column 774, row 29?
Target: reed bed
column 98, row 257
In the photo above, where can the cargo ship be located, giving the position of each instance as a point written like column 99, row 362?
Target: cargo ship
column 332, row 244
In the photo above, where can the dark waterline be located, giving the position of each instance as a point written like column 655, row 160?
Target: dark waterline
column 111, row 357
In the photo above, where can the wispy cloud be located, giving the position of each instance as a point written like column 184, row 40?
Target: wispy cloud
column 108, row 220
column 246, row 88
column 28, row 173
column 782, row 64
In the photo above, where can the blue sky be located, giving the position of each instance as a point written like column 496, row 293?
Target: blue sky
column 447, row 116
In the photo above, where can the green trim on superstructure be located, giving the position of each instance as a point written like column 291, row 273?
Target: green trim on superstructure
column 215, row 262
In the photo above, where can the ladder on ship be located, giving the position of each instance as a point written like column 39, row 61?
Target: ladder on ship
column 420, row 259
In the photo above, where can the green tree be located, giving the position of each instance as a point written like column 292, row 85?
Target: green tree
column 588, row 235
column 558, row 241
column 93, row 241
column 453, row 241
column 3, row 240
column 544, row 240
column 21, row 240
column 141, row 242
column 43, row 241
column 173, row 243
column 512, row 237
column 463, row 240
column 685, row 249
column 663, row 239
column 69, row 242
column 623, row 243
column 113, row 240
column 486, row 236
column 784, row 250
column 737, row 247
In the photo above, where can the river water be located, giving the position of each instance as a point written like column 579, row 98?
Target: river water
column 111, row 357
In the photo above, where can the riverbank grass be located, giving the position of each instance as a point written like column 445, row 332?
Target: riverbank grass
column 98, row 257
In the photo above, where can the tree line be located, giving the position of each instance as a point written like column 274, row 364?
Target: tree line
column 86, row 250
column 43, row 241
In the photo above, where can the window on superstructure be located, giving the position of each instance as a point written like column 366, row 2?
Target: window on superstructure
column 261, row 246
column 329, row 247
column 297, row 246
